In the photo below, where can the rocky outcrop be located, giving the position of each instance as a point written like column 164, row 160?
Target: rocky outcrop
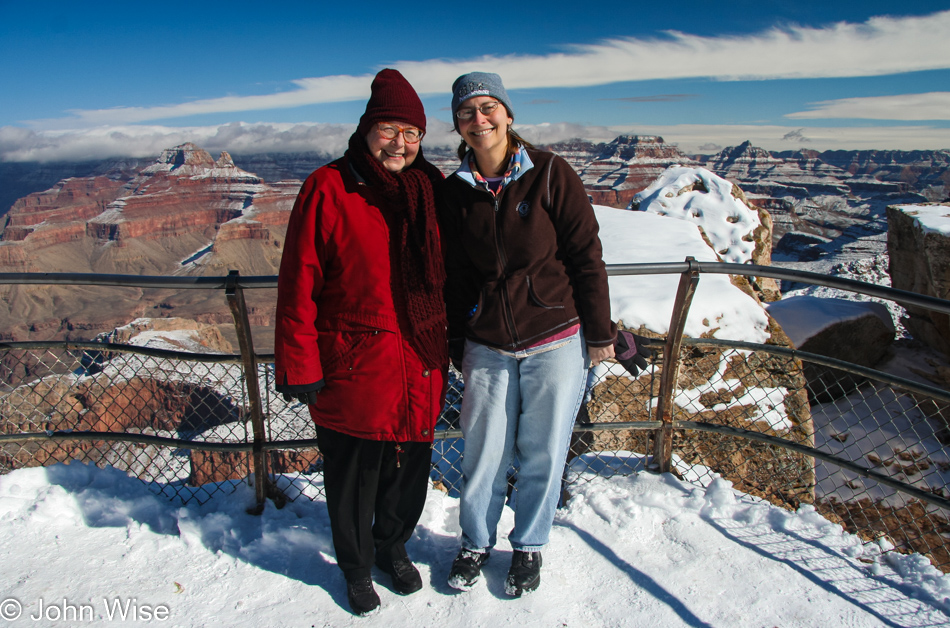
column 758, row 171
column 183, row 197
column 798, row 246
column 918, row 244
column 106, row 404
column 69, row 200
column 805, row 193
column 55, row 217
column 184, row 192
column 915, row 169
column 181, row 333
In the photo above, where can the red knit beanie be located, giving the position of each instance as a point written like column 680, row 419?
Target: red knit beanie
column 393, row 100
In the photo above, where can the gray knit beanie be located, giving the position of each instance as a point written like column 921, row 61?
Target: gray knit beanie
column 478, row 84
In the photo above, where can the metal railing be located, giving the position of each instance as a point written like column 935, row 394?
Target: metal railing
column 863, row 447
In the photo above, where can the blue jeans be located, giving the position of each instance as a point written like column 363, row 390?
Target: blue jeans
column 523, row 405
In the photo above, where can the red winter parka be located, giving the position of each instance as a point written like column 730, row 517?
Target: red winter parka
column 336, row 318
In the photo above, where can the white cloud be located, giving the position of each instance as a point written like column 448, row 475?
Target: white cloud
column 17, row 144
column 930, row 106
column 309, row 91
column 879, row 46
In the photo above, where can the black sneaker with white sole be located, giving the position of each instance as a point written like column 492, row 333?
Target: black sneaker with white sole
column 524, row 575
column 466, row 569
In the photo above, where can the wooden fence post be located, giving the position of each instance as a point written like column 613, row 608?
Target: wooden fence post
column 262, row 488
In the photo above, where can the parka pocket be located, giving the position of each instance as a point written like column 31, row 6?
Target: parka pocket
column 533, row 294
column 339, row 348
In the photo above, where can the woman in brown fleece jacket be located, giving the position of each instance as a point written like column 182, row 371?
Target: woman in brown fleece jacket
column 528, row 303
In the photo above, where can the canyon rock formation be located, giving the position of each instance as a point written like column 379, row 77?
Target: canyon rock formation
column 185, row 214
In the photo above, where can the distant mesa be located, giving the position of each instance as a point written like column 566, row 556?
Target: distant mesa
column 187, row 160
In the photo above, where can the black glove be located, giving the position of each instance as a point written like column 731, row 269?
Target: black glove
column 305, row 394
column 306, row 398
column 632, row 352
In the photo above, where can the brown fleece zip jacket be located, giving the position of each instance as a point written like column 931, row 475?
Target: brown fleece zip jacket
column 527, row 263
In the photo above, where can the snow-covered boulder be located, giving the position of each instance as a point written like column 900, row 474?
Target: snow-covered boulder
column 860, row 332
column 738, row 232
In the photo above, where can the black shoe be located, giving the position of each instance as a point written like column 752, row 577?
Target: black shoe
column 525, row 573
column 466, row 568
column 406, row 578
column 362, row 596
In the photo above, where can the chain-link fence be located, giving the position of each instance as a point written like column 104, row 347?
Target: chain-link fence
column 133, row 408
column 865, row 449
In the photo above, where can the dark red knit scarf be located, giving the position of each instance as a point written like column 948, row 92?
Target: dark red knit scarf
column 418, row 272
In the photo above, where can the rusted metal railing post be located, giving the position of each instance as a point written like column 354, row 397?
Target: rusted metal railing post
column 663, row 438
column 235, row 296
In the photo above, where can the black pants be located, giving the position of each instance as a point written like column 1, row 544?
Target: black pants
column 375, row 496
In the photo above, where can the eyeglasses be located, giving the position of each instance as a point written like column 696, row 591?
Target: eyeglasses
column 411, row 134
column 469, row 112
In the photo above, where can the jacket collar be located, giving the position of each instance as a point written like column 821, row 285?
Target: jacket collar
column 356, row 175
column 519, row 164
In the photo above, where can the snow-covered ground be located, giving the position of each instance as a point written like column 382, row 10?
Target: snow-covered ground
column 89, row 544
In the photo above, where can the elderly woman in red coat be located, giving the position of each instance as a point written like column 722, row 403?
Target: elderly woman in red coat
column 361, row 334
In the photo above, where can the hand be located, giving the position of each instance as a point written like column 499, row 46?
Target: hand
column 307, row 398
column 599, row 354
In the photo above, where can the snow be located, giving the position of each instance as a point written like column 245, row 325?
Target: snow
column 719, row 308
column 625, row 551
column 870, row 270
column 931, row 218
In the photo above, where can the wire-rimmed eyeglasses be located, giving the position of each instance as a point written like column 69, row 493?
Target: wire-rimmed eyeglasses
column 467, row 113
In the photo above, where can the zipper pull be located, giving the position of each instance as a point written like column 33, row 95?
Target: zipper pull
column 398, row 451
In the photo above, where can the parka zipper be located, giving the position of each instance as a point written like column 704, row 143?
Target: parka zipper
column 503, row 259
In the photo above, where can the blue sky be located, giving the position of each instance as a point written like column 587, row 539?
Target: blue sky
column 90, row 79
